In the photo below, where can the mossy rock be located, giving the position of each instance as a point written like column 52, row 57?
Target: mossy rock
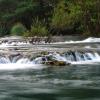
column 44, row 53
column 59, row 63
column 56, row 63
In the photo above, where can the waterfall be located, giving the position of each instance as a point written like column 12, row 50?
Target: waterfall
column 97, row 56
column 24, row 61
column 70, row 56
column 82, row 58
column 20, row 54
column 4, row 60
column 40, row 60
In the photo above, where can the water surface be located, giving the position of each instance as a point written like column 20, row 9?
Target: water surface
column 21, row 79
column 52, row 83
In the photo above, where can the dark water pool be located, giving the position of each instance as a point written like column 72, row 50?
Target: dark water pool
column 53, row 83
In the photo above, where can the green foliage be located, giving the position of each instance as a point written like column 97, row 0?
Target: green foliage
column 3, row 30
column 59, row 16
column 80, row 16
column 65, row 16
column 38, row 28
column 18, row 29
column 91, row 17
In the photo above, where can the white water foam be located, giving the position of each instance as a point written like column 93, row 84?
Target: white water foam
column 77, row 58
column 91, row 39
column 26, row 63
column 81, row 59
column 14, row 66
column 13, row 44
column 88, row 62
column 88, row 40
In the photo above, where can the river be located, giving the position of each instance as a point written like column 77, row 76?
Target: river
column 53, row 83
column 47, row 82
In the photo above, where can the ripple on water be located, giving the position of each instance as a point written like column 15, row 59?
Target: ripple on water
column 55, row 83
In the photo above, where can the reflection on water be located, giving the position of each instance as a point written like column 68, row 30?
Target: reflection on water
column 52, row 83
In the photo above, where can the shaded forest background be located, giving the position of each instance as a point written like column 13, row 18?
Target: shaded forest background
column 49, row 17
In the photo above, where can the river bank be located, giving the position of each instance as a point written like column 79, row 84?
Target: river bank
column 40, row 39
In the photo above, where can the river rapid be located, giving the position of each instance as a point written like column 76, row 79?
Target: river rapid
column 25, row 79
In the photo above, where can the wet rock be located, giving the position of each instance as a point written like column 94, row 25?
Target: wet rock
column 56, row 63
column 48, row 60
column 44, row 53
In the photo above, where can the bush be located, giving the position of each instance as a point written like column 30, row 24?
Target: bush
column 38, row 28
column 18, row 29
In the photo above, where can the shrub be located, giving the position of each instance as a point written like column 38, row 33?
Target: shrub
column 38, row 28
column 18, row 29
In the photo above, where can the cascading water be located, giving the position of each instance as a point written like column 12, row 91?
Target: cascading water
column 69, row 56
column 21, row 63
column 21, row 77
column 4, row 60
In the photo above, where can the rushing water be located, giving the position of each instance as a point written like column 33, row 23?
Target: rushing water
column 52, row 83
column 22, row 78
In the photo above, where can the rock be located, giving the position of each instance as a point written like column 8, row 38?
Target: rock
column 49, row 59
column 56, row 63
column 44, row 53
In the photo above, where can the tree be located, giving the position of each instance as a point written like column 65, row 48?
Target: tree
column 65, row 16
column 91, row 17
